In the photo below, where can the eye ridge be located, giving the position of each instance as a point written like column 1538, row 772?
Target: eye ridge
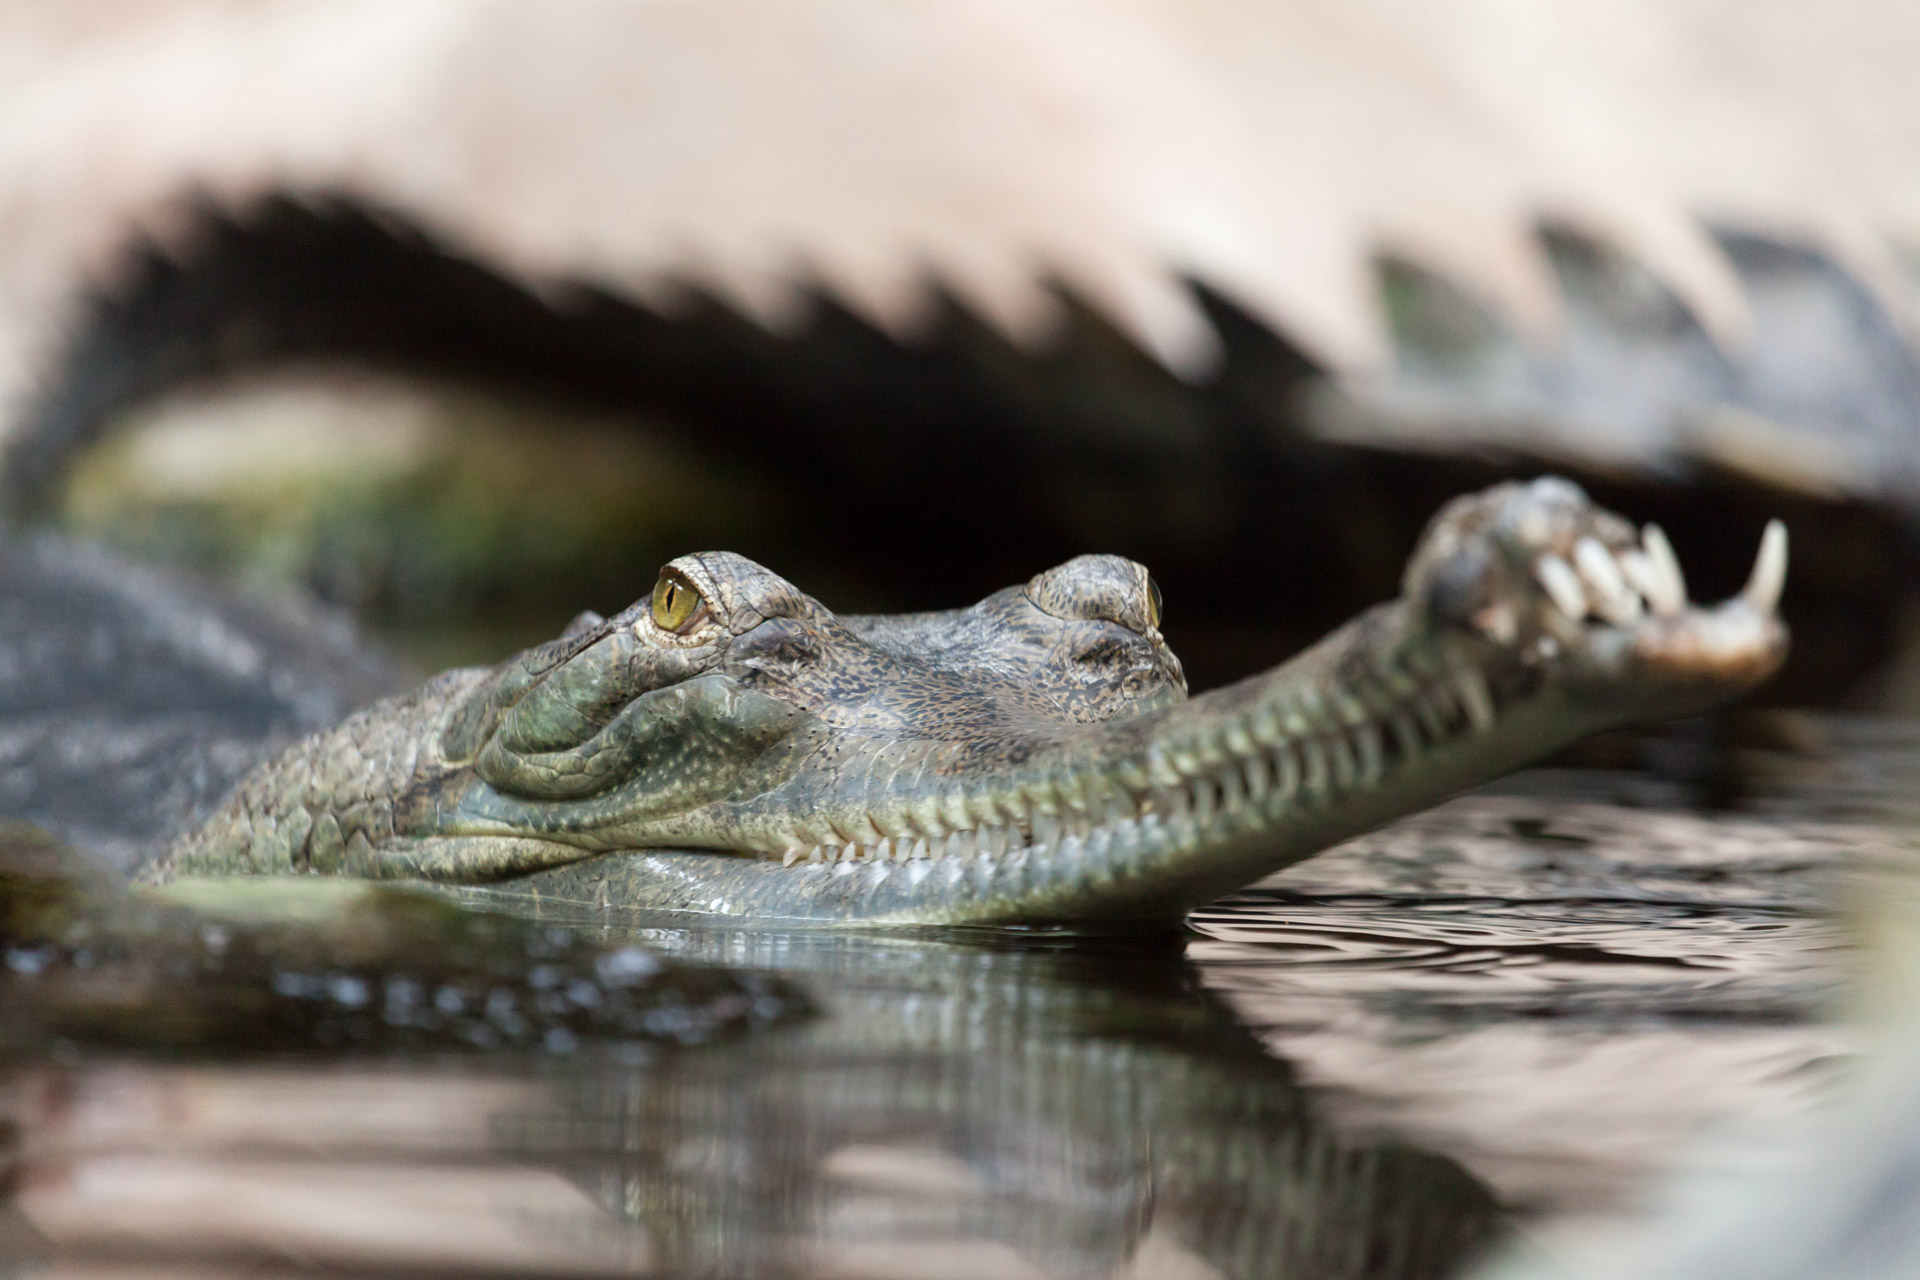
column 677, row 603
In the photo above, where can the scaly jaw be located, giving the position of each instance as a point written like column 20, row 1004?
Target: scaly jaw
column 1601, row 618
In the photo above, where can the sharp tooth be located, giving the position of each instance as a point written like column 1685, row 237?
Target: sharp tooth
column 1617, row 604
column 884, row 851
column 1367, row 738
column 1315, row 758
column 993, row 840
column 1666, row 567
column 1762, row 592
column 953, row 808
column 790, row 857
column 815, row 854
column 1046, row 829
column 1202, row 792
column 921, row 852
column 1638, row 569
column 1286, row 771
column 1266, row 729
column 1345, row 767
column 1472, row 688
column 926, row 815
column 1258, row 780
column 1563, row 586
column 961, row 844
column 1233, row 791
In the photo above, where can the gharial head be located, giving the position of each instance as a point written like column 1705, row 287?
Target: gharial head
column 631, row 731
column 1077, row 644
column 1035, row 756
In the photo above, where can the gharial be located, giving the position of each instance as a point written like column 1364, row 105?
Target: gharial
column 730, row 746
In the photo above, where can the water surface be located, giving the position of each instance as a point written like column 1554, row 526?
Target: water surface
column 1373, row 1065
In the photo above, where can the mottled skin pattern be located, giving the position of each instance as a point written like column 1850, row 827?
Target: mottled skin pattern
column 733, row 747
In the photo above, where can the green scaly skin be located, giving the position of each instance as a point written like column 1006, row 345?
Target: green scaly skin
column 1031, row 759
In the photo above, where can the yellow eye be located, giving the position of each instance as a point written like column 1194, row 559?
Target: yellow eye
column 1153, row 604
column 675, row 601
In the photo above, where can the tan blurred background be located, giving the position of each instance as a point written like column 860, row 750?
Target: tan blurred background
column 467, row 315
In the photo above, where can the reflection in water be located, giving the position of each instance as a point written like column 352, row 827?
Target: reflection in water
column 956, row 1109
column 1058, row 1108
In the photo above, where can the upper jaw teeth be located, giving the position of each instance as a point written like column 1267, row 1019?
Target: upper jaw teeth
column 1618, row 586
column 1669, row 593
column 1615, row 601
column 1769, row 577
column 1562, row 585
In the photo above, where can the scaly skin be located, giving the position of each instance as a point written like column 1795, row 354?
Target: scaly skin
column 1033, row 758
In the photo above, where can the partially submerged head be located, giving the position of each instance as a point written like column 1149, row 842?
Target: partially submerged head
column 738, row 748
column 662, row 726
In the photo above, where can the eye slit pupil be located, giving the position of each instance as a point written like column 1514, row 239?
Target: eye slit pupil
column 674, row 603
column 1155, row 604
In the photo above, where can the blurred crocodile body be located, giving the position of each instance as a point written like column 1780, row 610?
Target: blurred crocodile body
column 732, row 747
